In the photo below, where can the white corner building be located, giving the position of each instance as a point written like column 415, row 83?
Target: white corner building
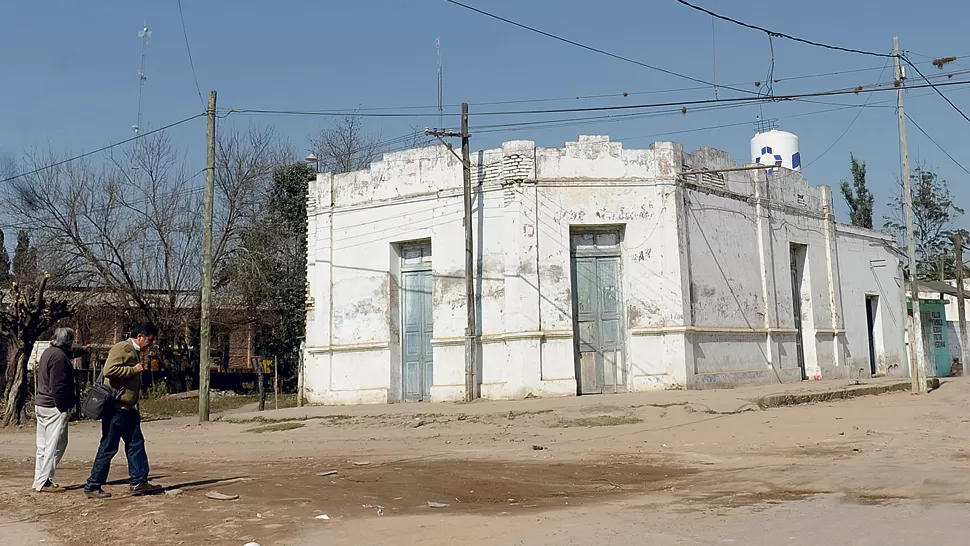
column 599, row 270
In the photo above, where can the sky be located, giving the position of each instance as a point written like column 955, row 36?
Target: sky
column 71, row 73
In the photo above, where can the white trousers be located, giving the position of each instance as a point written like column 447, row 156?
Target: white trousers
column 51, row 443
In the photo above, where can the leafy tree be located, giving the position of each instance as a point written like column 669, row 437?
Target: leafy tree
column 857, row 195
column 268, row 270
column 934, row 216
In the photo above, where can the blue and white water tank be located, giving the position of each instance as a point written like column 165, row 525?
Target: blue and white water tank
column 777, row 148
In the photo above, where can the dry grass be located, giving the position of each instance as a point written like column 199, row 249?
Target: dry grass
column 167, row 407
column 600, row 421
column 275, row 428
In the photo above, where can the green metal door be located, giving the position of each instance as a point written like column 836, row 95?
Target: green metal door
column 597, row 313
column 418, row 364
column 416, row 321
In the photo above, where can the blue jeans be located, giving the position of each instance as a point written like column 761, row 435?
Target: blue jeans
column 122, row 425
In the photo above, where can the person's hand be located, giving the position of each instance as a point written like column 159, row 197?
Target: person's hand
column 139, row 368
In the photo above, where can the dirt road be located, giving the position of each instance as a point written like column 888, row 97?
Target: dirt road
column 602, row 471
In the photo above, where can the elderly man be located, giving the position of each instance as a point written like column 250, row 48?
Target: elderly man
column 53, row 403
column 122, row 371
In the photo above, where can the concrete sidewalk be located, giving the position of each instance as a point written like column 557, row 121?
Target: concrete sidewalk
column 721, row 401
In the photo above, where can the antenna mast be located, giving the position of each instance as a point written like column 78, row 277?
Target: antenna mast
column 441, row 115
column 144, row 34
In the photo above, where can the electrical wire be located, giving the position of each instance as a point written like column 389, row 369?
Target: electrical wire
column 739, row 124
column 99, row 150
column 953, row 159
column 594, row 49
column 777, row 34
column 189, row 51
column 950, row 102
column 776, row 98
column 622, row 94
column 851, row 123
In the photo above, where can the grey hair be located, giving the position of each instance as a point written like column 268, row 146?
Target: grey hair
column 63, row 338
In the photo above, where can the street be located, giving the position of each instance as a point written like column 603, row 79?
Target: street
column 655, row 468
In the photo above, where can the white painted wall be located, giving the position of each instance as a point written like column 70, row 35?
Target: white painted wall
column 704, row 265
column 867, row 269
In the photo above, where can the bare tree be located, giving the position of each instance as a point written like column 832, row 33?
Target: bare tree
column 418, row 139
column 129, row 230
column 25, row 315
column 347, row 146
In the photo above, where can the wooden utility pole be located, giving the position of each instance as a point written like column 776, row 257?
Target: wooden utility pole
column 205, row 319
column 961, row 310
column 300, row 378
column 471, row 329
column 276, row 383
column 260, row 386
column 917, row 370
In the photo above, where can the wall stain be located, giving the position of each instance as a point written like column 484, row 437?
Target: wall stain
column 552, row 273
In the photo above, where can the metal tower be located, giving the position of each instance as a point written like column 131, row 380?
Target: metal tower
column 144, row 34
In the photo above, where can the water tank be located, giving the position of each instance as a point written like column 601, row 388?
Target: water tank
column 774, row 147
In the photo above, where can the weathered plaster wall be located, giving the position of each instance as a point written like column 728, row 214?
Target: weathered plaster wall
column 869, row 269
column 353, row 339
column 740, row 228
column 705, row 270
column 595, row 183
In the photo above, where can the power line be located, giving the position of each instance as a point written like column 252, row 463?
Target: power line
column 777, row 34
column 856, row 118
column 742, row 123
column 621, row 94
column 189, row 51
column 99, row 150
column 950, row 102
column 594, row 49
column 937, row 144
column 776, row 98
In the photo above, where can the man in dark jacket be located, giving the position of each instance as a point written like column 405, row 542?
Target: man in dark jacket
column 52, row 406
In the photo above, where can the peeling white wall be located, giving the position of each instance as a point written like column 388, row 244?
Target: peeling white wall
column 869, row 270
column 705, row 279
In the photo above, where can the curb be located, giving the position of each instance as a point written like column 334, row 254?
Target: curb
column 845, row 393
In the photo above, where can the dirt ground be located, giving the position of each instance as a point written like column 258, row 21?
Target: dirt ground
column 601, row 470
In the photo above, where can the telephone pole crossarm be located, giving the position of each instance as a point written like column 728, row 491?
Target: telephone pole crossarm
column 471, row 328
column 917, row 357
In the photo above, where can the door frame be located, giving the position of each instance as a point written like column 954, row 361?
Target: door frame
column 423, row 265
column 872, row 310
column 798, row 256
column 621, row 382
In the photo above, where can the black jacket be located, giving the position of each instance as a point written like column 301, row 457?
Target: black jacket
column 55, row 380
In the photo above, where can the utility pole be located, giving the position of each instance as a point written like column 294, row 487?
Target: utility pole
column 961, row 310
column 917, row 370
column 300, row 378
column 471, row 329
column 204, row 318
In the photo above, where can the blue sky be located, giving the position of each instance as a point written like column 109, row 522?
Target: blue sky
column 71, row 72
